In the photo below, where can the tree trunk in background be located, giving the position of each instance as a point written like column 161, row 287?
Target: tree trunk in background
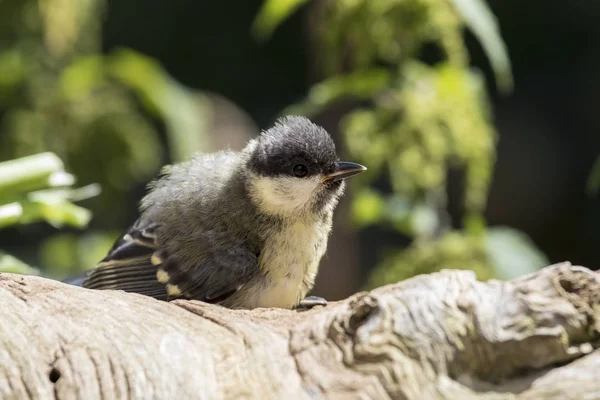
column 438, row 336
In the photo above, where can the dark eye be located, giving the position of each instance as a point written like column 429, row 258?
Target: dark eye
column 300, row 170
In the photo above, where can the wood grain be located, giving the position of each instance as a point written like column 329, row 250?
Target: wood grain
column 438, row 336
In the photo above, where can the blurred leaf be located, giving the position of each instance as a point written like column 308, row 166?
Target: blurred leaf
column 452, row 250
column 475, row 224
column 443, row 120
column 93, row 247
column 68, row 254
column 424, row 220
column 41, row 171
column 360, row 84
column 58, row 254
column 398, row 210
column 272, row 14
column 366, row 141
column 56, row 211
column 63, row 20
column 184, row 112
column 61, row 178
column 482, row 22
column 29, row 173
column 84, row 74
column 79, row 194
column 13, row 265
column 593, row 183
column 12, row 70
column 512, row 253
column 370, row 207
column 10, row 214
column 367, row 207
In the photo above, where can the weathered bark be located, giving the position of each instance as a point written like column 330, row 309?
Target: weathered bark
column 441, row 336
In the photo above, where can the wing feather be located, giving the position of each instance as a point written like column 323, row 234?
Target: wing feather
column 128, row 266
column 136, row 264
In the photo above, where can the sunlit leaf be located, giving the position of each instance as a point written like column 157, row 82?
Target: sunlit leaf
column 29, row 173
column 360, row 85
column 79, row 78
column 484, row 26
column 452, row 250
column 13, row 265
column 475, row 224
column 56, row 212
column 10, row 214
column 12, row 69
column 272, row 14
column 71, row 194
column 63, row 20
column 367, row 207
column 51, row 199
column 512, row 253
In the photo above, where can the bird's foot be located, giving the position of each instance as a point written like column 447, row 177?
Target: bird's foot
column 311, row 301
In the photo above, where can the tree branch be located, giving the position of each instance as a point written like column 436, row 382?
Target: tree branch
column 438, row 336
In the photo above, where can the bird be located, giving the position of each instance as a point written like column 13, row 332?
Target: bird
column 243, row 229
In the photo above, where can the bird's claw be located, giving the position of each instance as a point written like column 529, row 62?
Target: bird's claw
column 311, row 301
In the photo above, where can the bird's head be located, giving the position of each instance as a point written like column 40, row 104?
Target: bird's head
column 293, row 168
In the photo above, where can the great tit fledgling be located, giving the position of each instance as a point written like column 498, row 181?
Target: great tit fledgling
column 242, row 229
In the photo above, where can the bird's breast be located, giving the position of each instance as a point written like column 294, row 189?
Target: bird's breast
column 290, row 261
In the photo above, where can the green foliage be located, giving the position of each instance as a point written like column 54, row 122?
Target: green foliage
column 36, row 188
column 65, row 253
column 358, row 84
column 453, row 250
column 478, row 17
column 418, row 219
column 393, row 30
column 13, row 265
column 508, row 252
column 183, row 111
column 432, row 118
column 512, row 253
column 98, row 113
column 271, row 14
column 415, row 122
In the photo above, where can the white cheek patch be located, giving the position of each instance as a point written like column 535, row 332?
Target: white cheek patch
column 283, row 195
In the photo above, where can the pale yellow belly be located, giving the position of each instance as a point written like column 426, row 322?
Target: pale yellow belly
column 283, row 293
column 289, row 263
column 263, row 292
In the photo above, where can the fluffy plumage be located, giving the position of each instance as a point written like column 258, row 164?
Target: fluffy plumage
column 238, row 229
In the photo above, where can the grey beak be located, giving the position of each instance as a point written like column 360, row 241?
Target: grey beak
column 343, row 170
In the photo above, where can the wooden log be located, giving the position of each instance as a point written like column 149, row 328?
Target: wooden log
column 438, row 336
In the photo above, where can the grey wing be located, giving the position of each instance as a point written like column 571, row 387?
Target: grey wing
column 221, row 274
column 137, row 264
column 128, row 265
